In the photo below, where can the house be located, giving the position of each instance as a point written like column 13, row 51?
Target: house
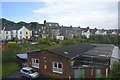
column 37, row 30
column 70, row 32
column 18, row 32
column 5, row 33
column 112, row 32
column 101, row 32
column 85, row 32
column 93, row 31
column 24, row 33
column 75, row 61
column 53, row 29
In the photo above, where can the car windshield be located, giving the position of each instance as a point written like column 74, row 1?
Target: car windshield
column 32, row 71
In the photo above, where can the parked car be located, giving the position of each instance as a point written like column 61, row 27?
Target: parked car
column 29, row 73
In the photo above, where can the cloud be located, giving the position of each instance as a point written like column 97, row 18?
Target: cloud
column 69, row 12
column 94, row 14
column 60, row 0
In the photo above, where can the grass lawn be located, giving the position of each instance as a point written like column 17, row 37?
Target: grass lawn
column 9, row 67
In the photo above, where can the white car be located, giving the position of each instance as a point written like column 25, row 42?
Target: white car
column 29, row 73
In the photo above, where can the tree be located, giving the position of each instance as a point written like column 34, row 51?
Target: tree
column 115, row 72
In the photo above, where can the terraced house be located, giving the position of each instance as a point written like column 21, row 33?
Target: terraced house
column 8, row 33
column 50, row 29
column 75, row 61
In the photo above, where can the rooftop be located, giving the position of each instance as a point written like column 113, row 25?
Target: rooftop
column 101, row 50
column 70, row 51
column 22, row 56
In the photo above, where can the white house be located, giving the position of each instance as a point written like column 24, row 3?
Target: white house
column 5, row 34
column 86, row 32
column 24, row 33
column 8, row 33
column 101, row 32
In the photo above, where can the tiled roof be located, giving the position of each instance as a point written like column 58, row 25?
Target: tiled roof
column 101, row 50
column 70, row 51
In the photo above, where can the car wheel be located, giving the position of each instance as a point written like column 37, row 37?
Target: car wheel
column 30, row 77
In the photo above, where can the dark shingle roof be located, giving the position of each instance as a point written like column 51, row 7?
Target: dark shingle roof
column 14, row 27
column 70, row 51
column 85, row 29
column 53, row 24
column 70, row 28
column 11, row 27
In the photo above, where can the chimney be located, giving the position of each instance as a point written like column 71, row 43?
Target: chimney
column 44, row 21
column 95, row 28
column 102, row 29
column 78, row 26
column 88, row 27
column 70, row 25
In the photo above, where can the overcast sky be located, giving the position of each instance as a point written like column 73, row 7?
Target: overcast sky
column 93, row 14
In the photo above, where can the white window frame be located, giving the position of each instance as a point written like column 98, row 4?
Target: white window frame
column 34, row 63
column 58, row 68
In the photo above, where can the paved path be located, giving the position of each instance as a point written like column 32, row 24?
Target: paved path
column 16, row 76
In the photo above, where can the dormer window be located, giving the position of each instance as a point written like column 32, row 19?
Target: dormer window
column 20, row 32
column 6, row 32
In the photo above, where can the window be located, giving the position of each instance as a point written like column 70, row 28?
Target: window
column 26, row 37
column 98, row 72
column 6, row 37
column 26, row 32
column 39, row 30
column 35, row 63
column 57, row 67
column 56, row 25
column 6, row 32
column 25, row 71
column 20, row 32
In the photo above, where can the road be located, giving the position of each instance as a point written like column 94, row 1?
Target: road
column 16, row 76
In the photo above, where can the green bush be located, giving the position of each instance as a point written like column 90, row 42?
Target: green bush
column 115, row 72
column 71, row 41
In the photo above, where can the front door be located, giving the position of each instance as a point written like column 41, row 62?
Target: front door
column 79, row 73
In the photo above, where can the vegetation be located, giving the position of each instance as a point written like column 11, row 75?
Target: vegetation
column 5, row 22
column 115, row 72
column 9, row 55
column 9, row 67
column 105, row 39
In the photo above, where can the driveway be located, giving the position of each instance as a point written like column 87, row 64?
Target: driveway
column 16, row 76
